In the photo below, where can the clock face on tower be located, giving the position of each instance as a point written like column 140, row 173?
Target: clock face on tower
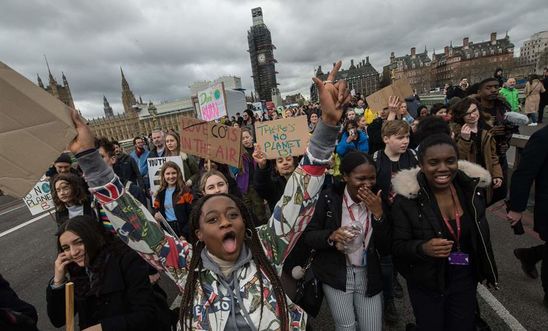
column 261, row 58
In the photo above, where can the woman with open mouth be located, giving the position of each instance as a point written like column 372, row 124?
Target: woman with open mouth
column 229, row 275
column 440, row 235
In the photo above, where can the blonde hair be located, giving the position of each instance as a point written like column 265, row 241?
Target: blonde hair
column 395, row 127
column 208, row 174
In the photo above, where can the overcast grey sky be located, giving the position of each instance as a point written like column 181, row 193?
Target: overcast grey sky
column 165, row 45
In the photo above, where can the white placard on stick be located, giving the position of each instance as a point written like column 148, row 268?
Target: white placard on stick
column 154, row 166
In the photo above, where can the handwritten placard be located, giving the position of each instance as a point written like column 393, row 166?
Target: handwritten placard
column 212, row 102
column 209, row 140
column 379, row 100
column 39, row 199
column 283, row 137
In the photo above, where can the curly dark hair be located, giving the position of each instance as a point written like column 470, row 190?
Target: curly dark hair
column 79, row 192
column 259, row 258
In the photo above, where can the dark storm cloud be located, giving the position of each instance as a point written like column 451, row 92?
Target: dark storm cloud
column 164, row 46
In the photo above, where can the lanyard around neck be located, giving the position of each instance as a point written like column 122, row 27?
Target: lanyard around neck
column 456, row 205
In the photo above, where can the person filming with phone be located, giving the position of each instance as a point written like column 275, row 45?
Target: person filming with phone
column 352, row 139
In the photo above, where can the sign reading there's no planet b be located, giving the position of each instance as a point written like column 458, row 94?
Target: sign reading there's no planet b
column 283, row 137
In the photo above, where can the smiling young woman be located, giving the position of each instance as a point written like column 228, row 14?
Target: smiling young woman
column 174, row 199
column 112, row 290
column 349, row 231
column 441, row 236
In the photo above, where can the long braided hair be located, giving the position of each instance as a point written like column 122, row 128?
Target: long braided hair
column 257, row 253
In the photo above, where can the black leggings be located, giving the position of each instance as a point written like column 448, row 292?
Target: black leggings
column 454, row 309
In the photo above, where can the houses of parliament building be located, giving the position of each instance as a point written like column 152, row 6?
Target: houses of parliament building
column 138, row 118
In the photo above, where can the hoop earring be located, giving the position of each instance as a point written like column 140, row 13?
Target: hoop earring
column 248, row 233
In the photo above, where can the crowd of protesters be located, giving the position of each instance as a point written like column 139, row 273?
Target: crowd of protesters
column 379, row 193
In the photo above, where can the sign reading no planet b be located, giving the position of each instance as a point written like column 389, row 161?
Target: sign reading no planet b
column 283, row 137
column 155, row 165
column 212, row 102
column 39, row 199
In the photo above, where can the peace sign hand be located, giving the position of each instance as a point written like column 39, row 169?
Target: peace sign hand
column 333, row 96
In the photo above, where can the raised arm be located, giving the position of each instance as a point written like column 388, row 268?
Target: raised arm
column 296, row 207
column 133, row 222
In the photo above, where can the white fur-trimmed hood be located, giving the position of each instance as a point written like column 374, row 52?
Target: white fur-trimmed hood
column 406, row 183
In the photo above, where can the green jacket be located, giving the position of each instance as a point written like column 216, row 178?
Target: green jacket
column 512, row 96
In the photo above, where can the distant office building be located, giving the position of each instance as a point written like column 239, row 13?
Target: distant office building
column 414, row 66
column 261, row 53
column 532, row 50
column 475, row 61
column 362, row 78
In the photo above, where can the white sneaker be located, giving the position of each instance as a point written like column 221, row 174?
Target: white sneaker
column 533, row 124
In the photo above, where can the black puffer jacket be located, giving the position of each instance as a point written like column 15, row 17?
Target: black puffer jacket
column 269, row 186
column 125, row 301
column 417, row 220
column 329, row 264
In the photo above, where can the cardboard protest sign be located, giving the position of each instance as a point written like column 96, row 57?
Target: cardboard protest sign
column 154, row 166
column 39, row 199
column 209, row 140
column 35, row 128
column 283, row 137
column 212, row 102
column 379, row 100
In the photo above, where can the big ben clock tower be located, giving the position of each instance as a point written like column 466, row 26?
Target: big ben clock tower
column 261, row 53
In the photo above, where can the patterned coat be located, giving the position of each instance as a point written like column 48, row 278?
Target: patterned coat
column 137, row 227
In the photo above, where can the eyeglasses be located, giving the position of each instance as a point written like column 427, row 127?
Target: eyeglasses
column 468, row 113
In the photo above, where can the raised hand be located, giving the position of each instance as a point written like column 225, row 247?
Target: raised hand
column 85, row 139
column 333, row 96
column 394, row 104
column 259, row 156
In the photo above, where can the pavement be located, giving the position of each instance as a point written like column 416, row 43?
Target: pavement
column 28, row 251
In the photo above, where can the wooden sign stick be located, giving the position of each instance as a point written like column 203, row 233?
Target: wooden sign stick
column 69, row 306
column 208, row 165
